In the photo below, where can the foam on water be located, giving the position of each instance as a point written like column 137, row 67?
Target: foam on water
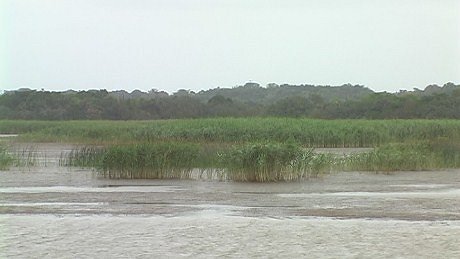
column 71, row 189
column 447, row 193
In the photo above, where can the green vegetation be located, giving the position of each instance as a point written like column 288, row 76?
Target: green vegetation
column 250, row 100
column 406, row 157
column 256, row 149
column 164, row 160
column 26, row 157
column 5, row 158
column 264, row 162
column 259, row 162
column 269, row 162
column 256, row 162
column 23, row 158
column 252, row 148
column 306, row 132
column 86, row 156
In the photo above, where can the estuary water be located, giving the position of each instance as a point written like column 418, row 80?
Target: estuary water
column 49, row 211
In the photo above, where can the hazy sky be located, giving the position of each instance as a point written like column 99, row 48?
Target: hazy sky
column 201, row 44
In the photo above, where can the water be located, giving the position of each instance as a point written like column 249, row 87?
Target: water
column 49, row 211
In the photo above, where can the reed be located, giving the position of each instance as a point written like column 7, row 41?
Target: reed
column 26, row 157
column 256, row 162
column 262, row 162
column 271, row 162
column 85, row 156
column 150, row 161
column 6, row 159
column 447, row 151
column 406, row 157
column 307, row 132
column 259, row 162
column 247, row 149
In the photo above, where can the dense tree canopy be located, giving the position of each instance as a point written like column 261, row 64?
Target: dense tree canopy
column 346, row 101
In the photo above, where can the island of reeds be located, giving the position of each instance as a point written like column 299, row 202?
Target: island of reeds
column 246, row 149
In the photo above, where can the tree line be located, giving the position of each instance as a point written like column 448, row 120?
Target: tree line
column 327, row 102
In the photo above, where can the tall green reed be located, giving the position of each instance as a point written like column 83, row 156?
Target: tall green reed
column 154, row 161
column 258, row 161
column 406, row 157
column 269, row 162
column 6, row 159
column 307, row 132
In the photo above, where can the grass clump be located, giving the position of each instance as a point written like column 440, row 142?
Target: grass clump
column 149, row 160
column 26, row 157
column 268, row 162
column 406, row 157
column 6, row 159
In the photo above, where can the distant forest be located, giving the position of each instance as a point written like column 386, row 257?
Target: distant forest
column 326, row 102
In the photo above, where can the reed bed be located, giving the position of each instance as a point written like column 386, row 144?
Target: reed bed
column 307, row 132
column 255, row 162
column 269, row 162
column 247, row 149
column 259, row 162
column 157, row 161
column 146, row 161
column 406, row 157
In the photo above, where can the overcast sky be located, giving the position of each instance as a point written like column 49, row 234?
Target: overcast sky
column 386, row 45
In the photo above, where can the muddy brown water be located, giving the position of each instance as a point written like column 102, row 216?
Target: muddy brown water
column 49, row 211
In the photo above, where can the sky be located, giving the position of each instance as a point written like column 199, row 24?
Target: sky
column 386, row 45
